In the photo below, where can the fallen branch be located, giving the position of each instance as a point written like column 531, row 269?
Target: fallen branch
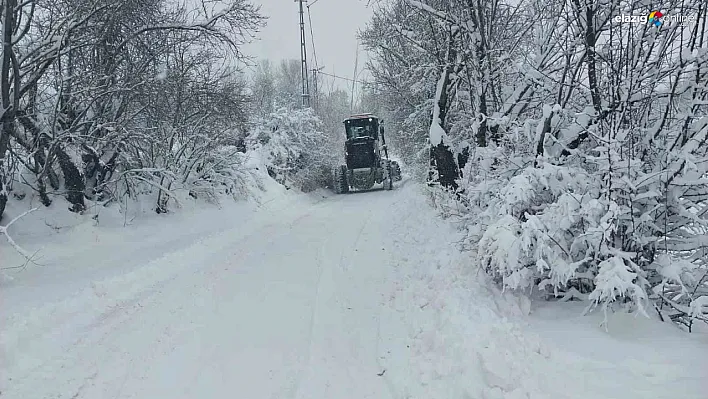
column 18, row 248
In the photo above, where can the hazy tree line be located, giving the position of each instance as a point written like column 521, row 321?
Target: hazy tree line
column 574, row 146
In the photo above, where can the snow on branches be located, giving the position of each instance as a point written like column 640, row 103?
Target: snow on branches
column 108, row 100
column 582, row 144
column 294, row 147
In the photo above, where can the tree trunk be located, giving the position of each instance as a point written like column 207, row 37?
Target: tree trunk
column 4, row 140
column 462, row 158
column 8, row 109
column 441, row 157
column 476, row 10
column 590, row 62
column 443, row 161
column 73, row 181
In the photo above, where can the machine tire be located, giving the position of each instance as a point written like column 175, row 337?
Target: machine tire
column 387, row 177
column 341, row 185
column 396, row 171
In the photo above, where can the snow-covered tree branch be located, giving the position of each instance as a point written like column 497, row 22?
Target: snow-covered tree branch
column 91, row 88
column 581, row 141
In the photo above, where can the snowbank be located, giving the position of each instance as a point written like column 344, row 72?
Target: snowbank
column 71, row 250
column 471, row 341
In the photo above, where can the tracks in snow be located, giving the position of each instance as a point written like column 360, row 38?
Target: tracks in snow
column 290, row 304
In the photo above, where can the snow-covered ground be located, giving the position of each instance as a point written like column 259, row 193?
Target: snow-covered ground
column 292, row 296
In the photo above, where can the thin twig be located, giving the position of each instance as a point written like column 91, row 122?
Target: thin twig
column 17, row 247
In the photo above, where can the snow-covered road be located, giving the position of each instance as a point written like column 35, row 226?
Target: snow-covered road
column 285, row 306
column 348, row 297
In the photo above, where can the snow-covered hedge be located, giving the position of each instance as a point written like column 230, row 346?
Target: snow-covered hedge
column 294, row 147
column 593, row 227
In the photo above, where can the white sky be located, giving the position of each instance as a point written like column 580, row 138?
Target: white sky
column 334, row 23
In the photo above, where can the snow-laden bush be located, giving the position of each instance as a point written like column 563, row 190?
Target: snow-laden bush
column 594, row 227
column 543, row 226
column 225, row 173
column 294, row 147
column 576, row 149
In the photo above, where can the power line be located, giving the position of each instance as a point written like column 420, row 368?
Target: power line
column 314, row 55
column 343, row 78
column 303, row 59
column 317, row 69
column 312, row 35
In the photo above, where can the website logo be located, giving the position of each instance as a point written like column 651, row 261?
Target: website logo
column 655, row 18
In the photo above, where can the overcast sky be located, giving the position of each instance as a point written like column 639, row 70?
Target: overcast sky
column 334, row 23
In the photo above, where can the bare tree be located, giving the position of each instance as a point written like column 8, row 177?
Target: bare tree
column 80, row 76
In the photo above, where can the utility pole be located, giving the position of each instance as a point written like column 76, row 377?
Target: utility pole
column 356, row 65
column 313, row 99
column 303, row 58
column 315, row 87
